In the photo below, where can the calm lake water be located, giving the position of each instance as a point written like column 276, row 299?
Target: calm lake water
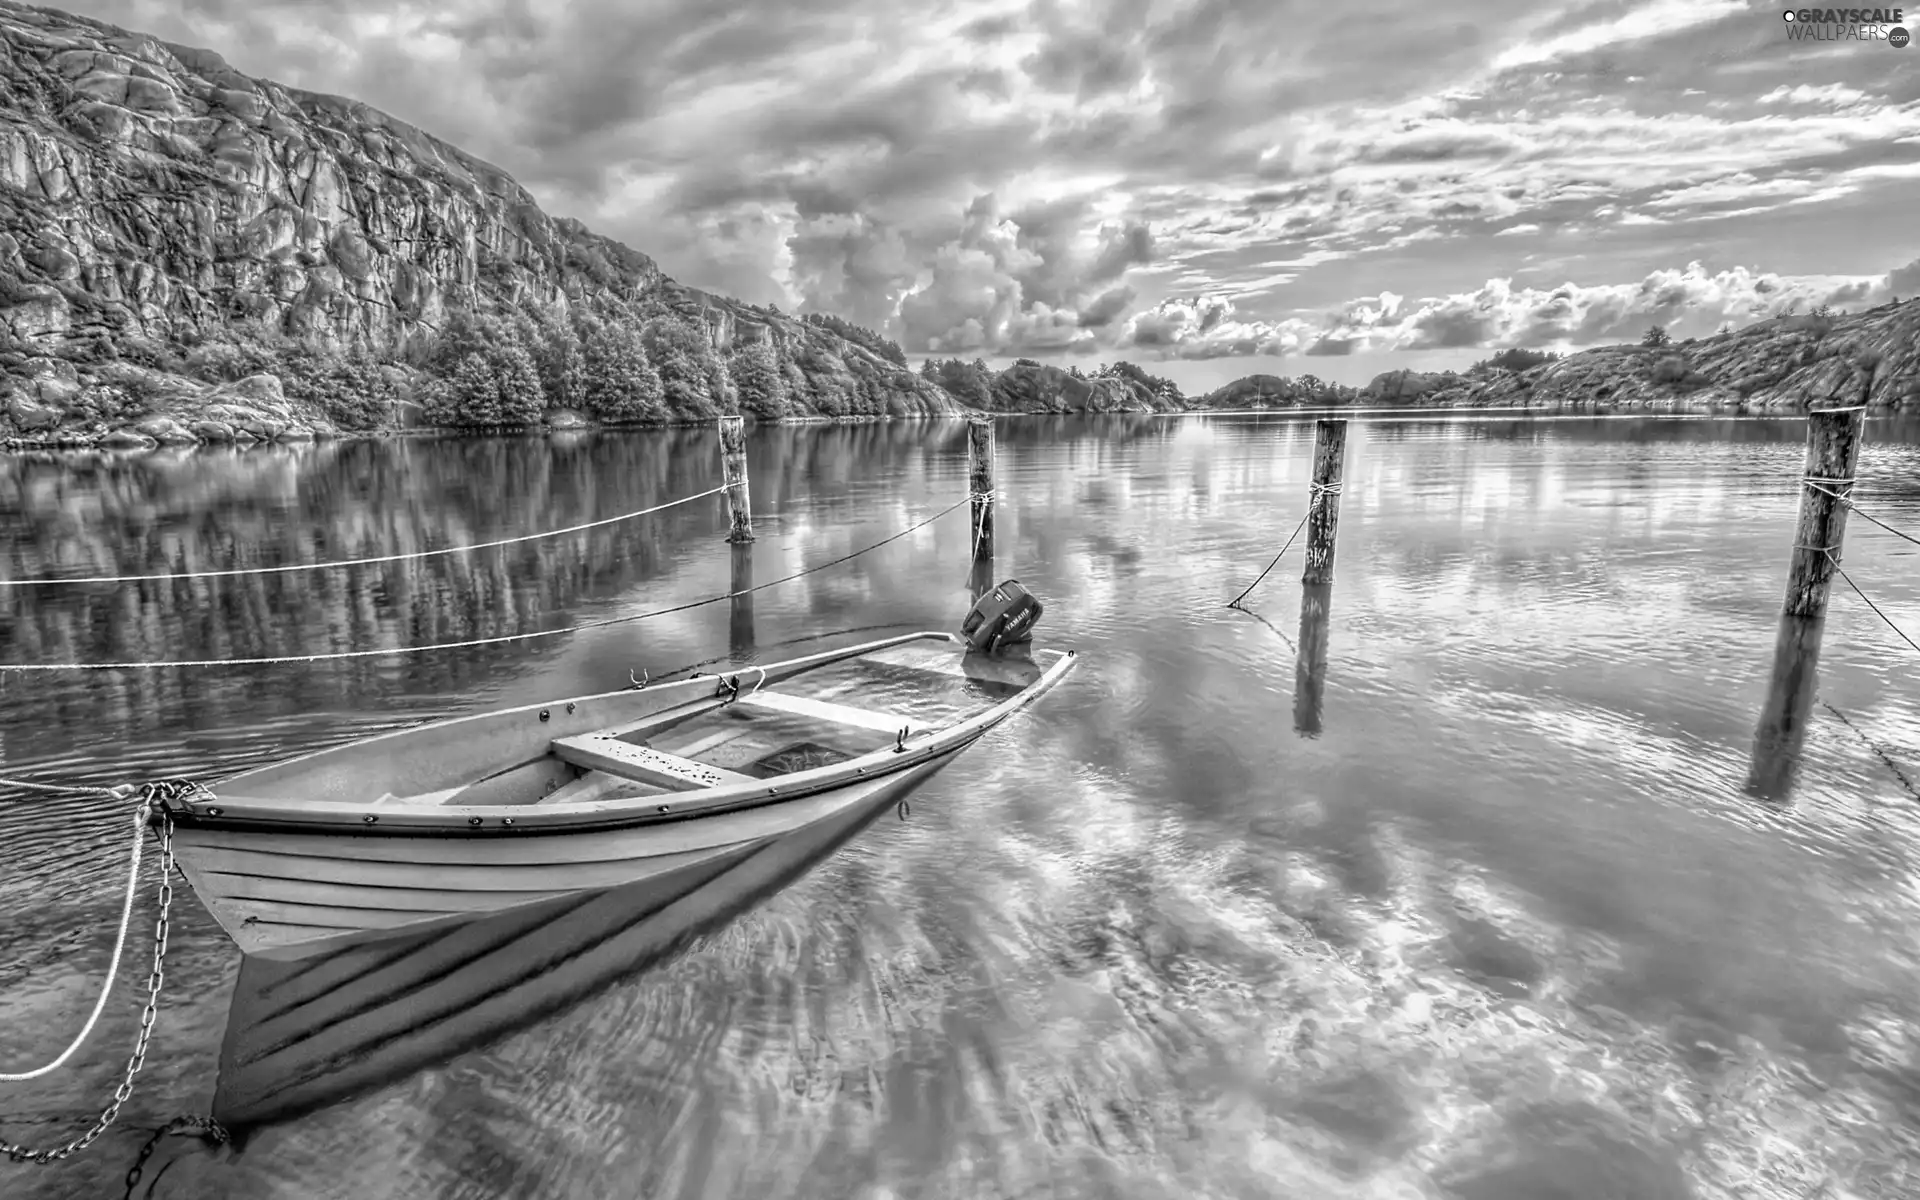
column 1511, row 925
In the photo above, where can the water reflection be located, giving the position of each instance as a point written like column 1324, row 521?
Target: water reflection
column 1509, row 923
column 740, row 608
column 1310, row 664
column 1783, row 717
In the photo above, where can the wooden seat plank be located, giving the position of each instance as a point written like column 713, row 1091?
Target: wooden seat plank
column 601, row 753
column 837, row 714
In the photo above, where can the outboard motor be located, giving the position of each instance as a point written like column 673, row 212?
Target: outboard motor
column 1003, row 617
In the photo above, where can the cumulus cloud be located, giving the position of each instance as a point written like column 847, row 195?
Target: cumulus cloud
column 1905, row 281
column 1499, row 314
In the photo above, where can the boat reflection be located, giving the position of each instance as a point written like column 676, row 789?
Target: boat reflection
column 308, row 1033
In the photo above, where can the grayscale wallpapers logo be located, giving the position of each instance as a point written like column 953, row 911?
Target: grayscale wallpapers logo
column 1847, row 25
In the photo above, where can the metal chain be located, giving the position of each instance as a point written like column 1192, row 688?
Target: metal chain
column 206, row 1127
column 156, row 979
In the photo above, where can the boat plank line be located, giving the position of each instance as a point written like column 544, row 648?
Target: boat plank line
column 618, row 845
column 471, row 877
column 249, row 886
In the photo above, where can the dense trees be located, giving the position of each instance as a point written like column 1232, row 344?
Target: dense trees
column 756, row 377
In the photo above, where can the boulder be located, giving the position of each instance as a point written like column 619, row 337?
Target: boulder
column 127, row 439
column 30, row 415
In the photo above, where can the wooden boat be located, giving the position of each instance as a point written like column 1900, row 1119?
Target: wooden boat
column 648, row 789
column 311, row 1032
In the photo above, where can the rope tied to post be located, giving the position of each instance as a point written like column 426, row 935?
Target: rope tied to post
column 1898, row 632
column 1316, row 492
column 985, row 501
column 1846, row 500
column 154, row 797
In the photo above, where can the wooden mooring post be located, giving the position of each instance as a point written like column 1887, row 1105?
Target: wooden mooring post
column 980, row 484
column 1323, row 502
column 1310, row 660
column 1783, row 716
column 733, row 473
column 980, row 578
column 1833, row 450
column 740, row 621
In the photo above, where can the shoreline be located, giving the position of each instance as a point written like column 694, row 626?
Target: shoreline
column 103, row 443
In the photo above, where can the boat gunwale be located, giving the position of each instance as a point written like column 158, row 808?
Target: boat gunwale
column 262, row 814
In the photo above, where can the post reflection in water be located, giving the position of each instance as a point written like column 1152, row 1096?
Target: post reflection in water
column 1782, row 731
column 1504, row 924
column 1310, row 663
column 740, row 614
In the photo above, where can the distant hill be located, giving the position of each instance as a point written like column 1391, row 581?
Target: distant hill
column 1781, row 364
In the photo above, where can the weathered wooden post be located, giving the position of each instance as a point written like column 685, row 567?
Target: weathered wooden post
column 740, row 624
column 1783, row 717
column 980, row 483
column 1323, row 499
column 980, row 578
column 1833, row 450
column 1310, row 659
column 733, row 472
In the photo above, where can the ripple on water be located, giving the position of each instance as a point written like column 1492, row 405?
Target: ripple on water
column 1499, row 921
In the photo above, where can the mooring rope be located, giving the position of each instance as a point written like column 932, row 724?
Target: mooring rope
column 140, row 818
column 1900, row 633
column 361, row 562
column 153, row 797
column 1847, row 499
column 470, row 643
column 1314, row 493
column 1876, row 748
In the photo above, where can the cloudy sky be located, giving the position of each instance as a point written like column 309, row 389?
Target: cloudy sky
column 1222, row 186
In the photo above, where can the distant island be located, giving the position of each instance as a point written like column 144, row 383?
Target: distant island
column 191, row 255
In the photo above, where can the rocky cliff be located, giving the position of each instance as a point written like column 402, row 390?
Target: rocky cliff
column 1778, row 365
column 1031, row 387
column 153, row 199
column 1277, row 391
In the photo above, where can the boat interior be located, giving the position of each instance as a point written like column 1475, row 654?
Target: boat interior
column 745, row 728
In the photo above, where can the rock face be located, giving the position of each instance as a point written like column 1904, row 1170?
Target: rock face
column 1277, row 391
column 154, row 196
column 1031, row 387
column 1782, row 364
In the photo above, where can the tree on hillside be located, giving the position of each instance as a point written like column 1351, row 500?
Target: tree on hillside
column 490, row 388
column 1155, row 385
column 757, row 378
column 1516, row 359
column 684, row 357
column 971, row 383
column 859, row 335
column 560, row 359
column 1656, row 337
column 618, row 384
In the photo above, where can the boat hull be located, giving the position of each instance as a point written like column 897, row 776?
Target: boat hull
column 639, row 790
column 308, row 1032
column 289, row 895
